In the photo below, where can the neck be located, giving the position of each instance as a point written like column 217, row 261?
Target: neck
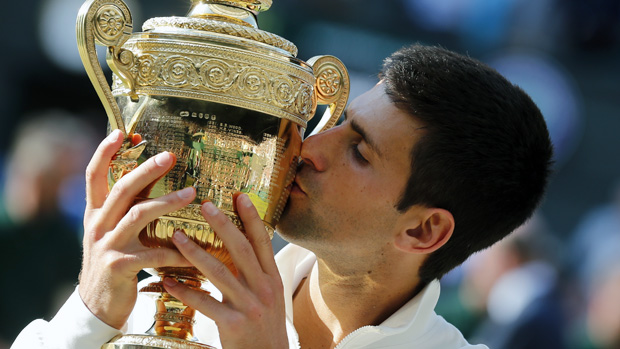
column 332, row 303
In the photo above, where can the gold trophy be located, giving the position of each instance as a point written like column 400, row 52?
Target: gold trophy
column 229, row 100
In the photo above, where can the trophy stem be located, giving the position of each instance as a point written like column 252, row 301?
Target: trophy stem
column 173, row 326
column 172, row 318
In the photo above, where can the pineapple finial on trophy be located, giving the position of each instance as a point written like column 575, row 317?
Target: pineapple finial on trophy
column 237, row 12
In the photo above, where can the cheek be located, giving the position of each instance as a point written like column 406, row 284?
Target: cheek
column 360, row 201
column 362, row 190
column 350, row 186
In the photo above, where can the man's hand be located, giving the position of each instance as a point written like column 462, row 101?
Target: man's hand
column 252, row 313
column 113, row 254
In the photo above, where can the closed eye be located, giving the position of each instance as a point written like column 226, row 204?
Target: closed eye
column 357, row 154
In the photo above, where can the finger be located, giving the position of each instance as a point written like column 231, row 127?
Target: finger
column 196, row 299
column 241, row 250
column 124, row 192
column 215, row 271
column 127, row 263
column 257, row 234
column 156, row 258
column 141, row 214
column 97, row 170
column 146, row 191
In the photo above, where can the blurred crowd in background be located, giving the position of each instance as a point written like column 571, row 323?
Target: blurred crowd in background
column 555, row 283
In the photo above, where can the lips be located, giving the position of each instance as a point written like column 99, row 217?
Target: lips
column 295, row 187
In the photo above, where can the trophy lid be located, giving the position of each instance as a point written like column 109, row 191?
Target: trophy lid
column 236, row 18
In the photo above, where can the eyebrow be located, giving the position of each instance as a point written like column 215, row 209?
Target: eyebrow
column 359, row 129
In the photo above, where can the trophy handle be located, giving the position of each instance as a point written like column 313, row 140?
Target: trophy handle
column 108, row 23
column 332, row 88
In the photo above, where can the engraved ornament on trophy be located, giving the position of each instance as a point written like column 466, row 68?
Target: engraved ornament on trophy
column 232, row 103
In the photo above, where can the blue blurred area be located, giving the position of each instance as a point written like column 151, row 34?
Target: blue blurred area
column 564, row 53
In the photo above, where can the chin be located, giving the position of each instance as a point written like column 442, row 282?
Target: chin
column 299, row 222
column 283, row 226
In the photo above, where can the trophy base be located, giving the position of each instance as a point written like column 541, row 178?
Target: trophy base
column 137, row 341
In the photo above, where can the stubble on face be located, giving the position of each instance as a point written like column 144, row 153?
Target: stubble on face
column 297, row 224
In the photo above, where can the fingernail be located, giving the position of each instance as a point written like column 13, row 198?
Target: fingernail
column 186, row 193
column 179, row 237
column 114, row 136
column 163, row 158
column 170, row 282
column 245, row 200
column 210, row 209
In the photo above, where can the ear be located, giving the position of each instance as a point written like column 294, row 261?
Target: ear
column 431, row 230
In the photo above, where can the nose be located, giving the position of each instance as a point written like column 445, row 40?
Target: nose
column 315, row 150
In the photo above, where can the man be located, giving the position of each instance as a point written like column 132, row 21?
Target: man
column 33, row 213
column 442, row 158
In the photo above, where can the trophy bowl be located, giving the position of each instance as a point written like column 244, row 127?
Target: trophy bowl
column 232, row 103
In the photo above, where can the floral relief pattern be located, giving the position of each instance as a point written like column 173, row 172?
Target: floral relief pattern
column 237, row 81
column 148, row 70
column 283, row 91
column 180, row 71
column 328, row 82
column 253, row 83
column 110, row 21
column 304, row 103
column 217, row 74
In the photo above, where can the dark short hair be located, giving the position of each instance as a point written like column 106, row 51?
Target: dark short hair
column 484, row 154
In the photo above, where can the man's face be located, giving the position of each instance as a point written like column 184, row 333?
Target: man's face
column 352, row 177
